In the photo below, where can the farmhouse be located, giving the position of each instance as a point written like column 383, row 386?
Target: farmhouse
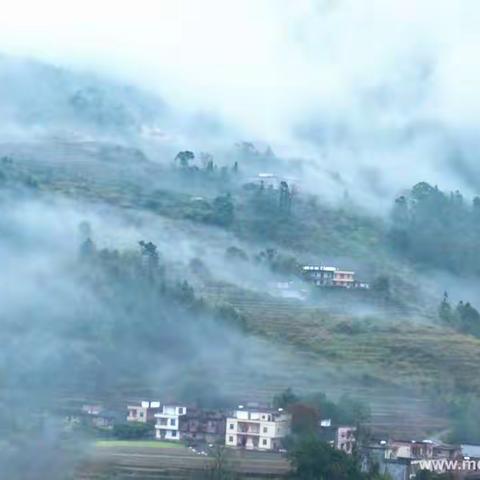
column 319, row 275
column 339, row 437
column 257, row 429
column 168, row 422
column 323, row 276
column 143, row 413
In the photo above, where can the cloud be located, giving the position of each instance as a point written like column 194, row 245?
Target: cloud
column 387, row 85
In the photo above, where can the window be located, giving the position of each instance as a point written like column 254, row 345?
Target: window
column 180, row 411
column 141, row 414
column 134, row 413
column 174, row 433
column 172, row 422
column 264, row 441
column 231, row 426
column 230, row 439
column 265, row 429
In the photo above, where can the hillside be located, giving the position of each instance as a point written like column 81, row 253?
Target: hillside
column 395, row 356
column 232, row 236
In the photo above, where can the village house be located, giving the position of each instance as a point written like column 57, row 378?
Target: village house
column 143, row 413
column 339, row 437
column 323, row 276
column 257, row 429
column 401, row 459
column 411, row 449
column 200, row 425
column 92, row 416
column 319, row 275
column 169, row 420
column 344, row 278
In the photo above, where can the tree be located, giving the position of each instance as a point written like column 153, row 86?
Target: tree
column 87, row 249
column 445, row 310
column 235, row 253
column 316, row 460
column 476, row 206
column 285, row 197
column 150, row 256
column 220, row 468
column 305, row 418
column 84, row 230
column 133, row 430
column 468, row 318
column 183, row 158
column 465, row 318
column 400, row 221
column 198, row 267
column 207, row 160
column 285, row 399
column 381, row 286
column 223, row 210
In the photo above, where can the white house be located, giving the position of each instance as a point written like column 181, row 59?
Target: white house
column 168, row 422
column 257, row 429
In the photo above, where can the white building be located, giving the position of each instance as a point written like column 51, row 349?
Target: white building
column 257, row 429
column 168, row 422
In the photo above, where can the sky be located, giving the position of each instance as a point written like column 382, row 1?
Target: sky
column 390, row 81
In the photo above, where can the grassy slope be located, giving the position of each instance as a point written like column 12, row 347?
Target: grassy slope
column 398, row 351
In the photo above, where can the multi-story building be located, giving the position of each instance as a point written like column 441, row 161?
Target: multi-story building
column 319, row 275
column 332, row 277
column 143, row 413
column 257, row 429
column 169, row 420
column 344, row 278
column 203, row 426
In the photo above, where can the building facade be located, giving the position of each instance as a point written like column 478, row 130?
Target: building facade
column 143, row 413
column 322, row 276
column 169, row 421
column 339, row 437
column 319, row 275
column 344, row 278
column 257, row 429
column 203, row 426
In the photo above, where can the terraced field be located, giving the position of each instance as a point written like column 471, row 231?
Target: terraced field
column 396, row 366
column 180, row 463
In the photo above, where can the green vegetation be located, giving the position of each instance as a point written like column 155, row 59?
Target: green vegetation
column 309, row 409
column 464, row 318
column 136, row 444
column 403, row 343
column 316, row 460
column 438, row 229
column 133, row 430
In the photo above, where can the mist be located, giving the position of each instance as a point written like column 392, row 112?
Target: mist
column 381, row 92
column 352, row 102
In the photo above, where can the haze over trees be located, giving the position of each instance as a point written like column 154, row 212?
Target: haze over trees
column 438, row 229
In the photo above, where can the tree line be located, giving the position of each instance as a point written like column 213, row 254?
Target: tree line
column 437, row 229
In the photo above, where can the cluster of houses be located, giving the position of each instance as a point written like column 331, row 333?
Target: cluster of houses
column 323, row 276
column 403, row 459
column 252, row 427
